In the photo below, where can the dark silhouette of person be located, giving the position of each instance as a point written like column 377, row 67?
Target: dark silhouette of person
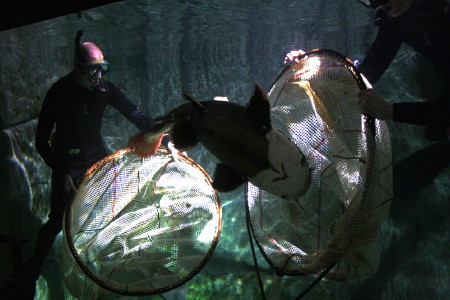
column 74, row 107
column 424, row 25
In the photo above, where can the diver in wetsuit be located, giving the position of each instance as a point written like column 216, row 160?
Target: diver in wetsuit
column 75, row 105
column 425, row 26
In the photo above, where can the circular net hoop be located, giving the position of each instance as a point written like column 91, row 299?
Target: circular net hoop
column 315, row 104
column 139, row 226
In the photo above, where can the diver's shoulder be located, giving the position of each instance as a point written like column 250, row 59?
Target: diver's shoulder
column 109, row 84
column 64, row 81
column 436, row 6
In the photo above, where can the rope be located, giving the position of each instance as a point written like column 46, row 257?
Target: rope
column 315, row 282
column 250, row 238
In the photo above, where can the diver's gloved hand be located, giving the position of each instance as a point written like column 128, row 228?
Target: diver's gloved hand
column 69, row 187
column 145, row 144
column 372, row 104
column 292, row 57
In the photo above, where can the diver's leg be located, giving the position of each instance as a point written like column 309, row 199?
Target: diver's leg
column 59, row 200
column 52, row 227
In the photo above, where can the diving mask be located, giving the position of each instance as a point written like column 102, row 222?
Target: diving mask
column 102, row 67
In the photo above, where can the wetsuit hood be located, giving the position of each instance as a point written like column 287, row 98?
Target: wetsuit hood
column 90, row 64
column 87, row 53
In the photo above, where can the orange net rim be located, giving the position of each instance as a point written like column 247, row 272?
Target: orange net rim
column 127, row 292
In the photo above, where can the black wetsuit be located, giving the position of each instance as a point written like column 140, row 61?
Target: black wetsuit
column 426, row 28
column 77, row 113
column 77, row 144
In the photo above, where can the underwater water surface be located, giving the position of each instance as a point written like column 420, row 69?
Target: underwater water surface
column 160, row 49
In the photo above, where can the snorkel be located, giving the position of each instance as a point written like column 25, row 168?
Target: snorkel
column 78, row 46
column 89, row 64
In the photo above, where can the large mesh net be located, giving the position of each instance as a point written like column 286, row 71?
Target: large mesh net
column 315, row 104
column 139, row 226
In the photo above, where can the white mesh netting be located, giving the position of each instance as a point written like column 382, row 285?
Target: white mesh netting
column 139, row 226
column 314, row 103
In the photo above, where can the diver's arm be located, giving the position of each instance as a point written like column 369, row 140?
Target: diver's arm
column 380, row 54
column 430, row 113
column 120, row 102
column 372, row 104
column 128, row 109
column 46, row 121
column 436, row 113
